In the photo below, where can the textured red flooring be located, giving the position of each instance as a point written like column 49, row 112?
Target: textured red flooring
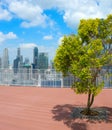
column 28, row 108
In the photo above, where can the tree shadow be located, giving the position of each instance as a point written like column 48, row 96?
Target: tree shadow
column 65, row 113
column 108, row 115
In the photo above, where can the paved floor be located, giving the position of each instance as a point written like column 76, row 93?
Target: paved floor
column 29, row 108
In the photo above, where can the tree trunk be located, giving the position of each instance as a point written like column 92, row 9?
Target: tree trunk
column 91, row 96
column 89, row 102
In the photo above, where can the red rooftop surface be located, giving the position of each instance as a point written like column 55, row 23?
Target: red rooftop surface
column 32, row 108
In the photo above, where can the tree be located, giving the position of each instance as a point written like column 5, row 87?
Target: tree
column 85, row 54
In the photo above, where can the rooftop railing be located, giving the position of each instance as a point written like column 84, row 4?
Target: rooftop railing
column 45, row 78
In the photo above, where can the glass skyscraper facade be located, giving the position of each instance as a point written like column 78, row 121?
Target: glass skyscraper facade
column 5, row 59
column 35, row 57
column 18, row 61
column 43, row 60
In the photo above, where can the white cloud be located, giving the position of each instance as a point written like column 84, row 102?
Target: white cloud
column 32, row 11
column 11, row 35
column 5, row 15
column 27, row 11
column 74, row 10
column 4, row 37
column 80, row 9
column 27, row 45
column 48, row 37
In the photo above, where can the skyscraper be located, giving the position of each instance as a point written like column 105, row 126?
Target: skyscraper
column 18, row 62
column 5, row 60
column 35, row 57
column 18, row 53
column 0, row 62
column 43, row 60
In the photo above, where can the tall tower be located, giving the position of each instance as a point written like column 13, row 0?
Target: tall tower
column 18, row 53
column 18, row 62
column 35, row 57
column 19, row 56
column 43, row 60
column 0, row 62
column 5, row 63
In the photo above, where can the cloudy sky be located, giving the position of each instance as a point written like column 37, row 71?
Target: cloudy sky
column 42, row 23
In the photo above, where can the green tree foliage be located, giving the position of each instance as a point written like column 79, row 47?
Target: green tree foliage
column 84, row 55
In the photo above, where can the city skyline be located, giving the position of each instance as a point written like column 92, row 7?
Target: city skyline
column 19, row 57
column 27, row 24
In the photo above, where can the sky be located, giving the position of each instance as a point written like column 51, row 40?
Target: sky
column 43, row 23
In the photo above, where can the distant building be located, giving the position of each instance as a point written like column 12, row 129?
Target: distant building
column 35, row 58
column 5, row 59
column 15, row 65
column 26, row 71
column 26, row 61
column 18, row 62
column 43, row 60
column 0, row 62
column 18, row 52
column 52, row 64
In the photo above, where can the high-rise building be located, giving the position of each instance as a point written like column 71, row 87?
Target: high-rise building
column 18, row 53
column 51, row 65
column 5, row 60
column 43, row 60
column 18, row 62
column 35, row 57
column 26, row 61
column 0, row 62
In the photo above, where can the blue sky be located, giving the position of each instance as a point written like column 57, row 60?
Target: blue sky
column 42, row 23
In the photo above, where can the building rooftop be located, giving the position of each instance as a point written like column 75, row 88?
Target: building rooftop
column 32, row 108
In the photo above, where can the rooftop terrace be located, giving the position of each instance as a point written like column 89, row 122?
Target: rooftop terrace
column 32, row 108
